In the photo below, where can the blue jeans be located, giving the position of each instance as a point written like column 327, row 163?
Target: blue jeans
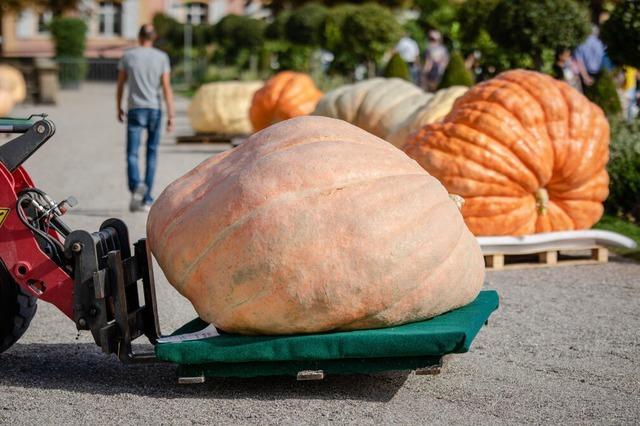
column 139, row 119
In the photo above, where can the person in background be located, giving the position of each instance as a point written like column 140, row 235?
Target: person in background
column 436, row 61
column 566, row 68
column 629, row 90
column 589, row 56
column 409, row 51
column 145, row 70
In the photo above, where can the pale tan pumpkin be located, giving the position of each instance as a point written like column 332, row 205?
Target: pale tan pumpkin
column 527, row 152
column 6, row 103
column 223, row 107
column 314, row 225
column 434, row 111
column 12, row 81
column 389, row 108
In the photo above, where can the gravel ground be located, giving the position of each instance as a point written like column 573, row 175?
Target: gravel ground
column 564, row 346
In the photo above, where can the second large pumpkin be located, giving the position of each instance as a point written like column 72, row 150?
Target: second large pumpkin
column 286, row 95
column 527, row 152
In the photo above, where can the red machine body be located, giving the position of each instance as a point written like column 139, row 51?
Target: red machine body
column 21, row 254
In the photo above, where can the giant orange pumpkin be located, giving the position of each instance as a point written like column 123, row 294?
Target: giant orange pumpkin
column 286, row 95
column 527, row 153
column 313, row 225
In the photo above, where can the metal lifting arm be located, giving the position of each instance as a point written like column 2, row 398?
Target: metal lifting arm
column 18, row 150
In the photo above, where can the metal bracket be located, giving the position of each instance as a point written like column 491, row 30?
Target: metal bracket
column 18, row 150
column 310, row 375
column 191, row 380
column 106, row 298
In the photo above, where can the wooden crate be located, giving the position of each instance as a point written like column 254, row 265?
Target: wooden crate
column 564, row 257
column 208, row 138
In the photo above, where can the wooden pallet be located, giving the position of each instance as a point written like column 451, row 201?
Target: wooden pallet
column 208, row 138
column 564, row 257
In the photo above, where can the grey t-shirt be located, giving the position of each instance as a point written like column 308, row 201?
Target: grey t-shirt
column 144, row 67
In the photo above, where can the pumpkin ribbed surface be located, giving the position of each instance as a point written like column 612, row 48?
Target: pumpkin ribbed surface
column 389, row 108
column 223, row 107
column 286, row 95
column 527, row 153
column 314, row 225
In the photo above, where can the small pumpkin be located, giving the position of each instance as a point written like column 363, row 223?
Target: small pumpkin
column 12, row 81
column 223, row 107
column 527, row 153
column 286, row 95
column 313, row 225
column 389, row 108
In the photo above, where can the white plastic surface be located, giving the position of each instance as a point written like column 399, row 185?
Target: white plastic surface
column 567, row 240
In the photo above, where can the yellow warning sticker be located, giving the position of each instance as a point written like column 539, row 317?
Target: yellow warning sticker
column 4, row 212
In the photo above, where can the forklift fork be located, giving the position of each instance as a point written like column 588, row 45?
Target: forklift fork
column 107, row 297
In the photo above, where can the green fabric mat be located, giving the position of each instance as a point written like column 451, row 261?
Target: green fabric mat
column 291, row 368
column 452, row 332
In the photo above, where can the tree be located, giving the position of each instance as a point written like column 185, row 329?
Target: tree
column 473, row 16
column 239, row 36
column 370, row 32
column 305, row 25
column 333, row 38
column 621, row 34
column 522, row 26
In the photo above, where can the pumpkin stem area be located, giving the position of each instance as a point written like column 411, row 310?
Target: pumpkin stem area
column 458, row 200
column 542, row 200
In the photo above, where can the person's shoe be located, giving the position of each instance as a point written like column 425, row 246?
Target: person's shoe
column 137, row 198
column 145, row 208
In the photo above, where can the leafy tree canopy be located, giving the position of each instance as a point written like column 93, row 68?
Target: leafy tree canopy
column 621, row 34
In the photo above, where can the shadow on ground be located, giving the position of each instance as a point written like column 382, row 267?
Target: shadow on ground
column 83, row 368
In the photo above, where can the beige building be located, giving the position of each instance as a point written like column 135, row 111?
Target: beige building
column 113, row 25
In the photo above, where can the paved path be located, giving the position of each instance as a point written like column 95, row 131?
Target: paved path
column 564, row 346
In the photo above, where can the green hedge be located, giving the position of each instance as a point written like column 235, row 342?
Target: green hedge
column 624, row 170
column 69, row 38
column 621, row 33
column 604, row 94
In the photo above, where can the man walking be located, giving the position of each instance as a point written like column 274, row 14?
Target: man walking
column 145, row 69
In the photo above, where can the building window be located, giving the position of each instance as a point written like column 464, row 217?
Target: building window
column 109, row 18
column 44, row 19
column 197, row 13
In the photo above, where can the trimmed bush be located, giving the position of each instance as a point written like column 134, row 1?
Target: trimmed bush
column 456, row 73
column 397, row 67
column 276, row 29
column 604, row 94
column 69, row 38
column 525, row 26
column 305, row 25
column 621, row 33
column 370, row 32
column 333, row 38
column 238, row 37
column 624, row 170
